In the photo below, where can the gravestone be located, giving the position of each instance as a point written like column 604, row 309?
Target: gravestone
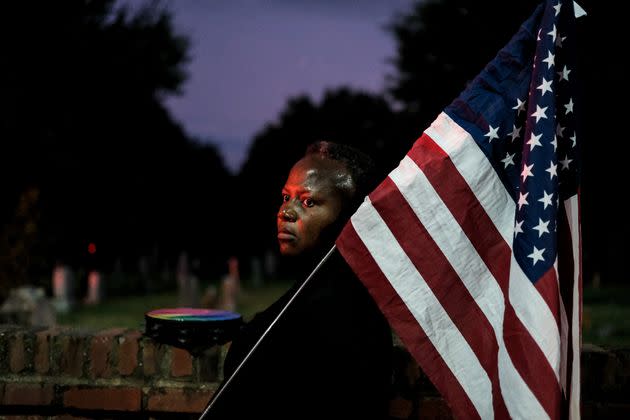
column 187, row 283
column 230, row 287
column 95, row 290
column 28, row 305
column 63, row 288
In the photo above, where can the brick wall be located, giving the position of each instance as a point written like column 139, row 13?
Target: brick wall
column 117, row 373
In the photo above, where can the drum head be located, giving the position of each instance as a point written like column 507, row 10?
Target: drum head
column 192, row 328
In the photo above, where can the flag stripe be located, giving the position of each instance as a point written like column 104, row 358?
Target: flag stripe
column 406, row 327
column 442, row 277
column 472, row 270
column 424, row 306
column 573, row 215
column 481, row 179
column 479, row 174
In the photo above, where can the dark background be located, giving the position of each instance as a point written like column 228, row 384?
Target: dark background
column 89, row 154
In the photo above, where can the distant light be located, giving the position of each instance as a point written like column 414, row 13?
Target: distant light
column 91, row 248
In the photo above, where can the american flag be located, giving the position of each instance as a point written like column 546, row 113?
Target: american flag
column 471, row 246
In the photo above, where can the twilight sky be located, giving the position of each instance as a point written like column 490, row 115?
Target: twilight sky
column 249, row 56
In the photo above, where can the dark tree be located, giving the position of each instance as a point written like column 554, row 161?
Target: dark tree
column 82, row 122
column 442, row 45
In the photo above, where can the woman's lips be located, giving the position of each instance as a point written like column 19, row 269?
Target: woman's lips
column 284, row 236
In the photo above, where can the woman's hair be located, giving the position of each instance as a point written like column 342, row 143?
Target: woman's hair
column 359, row 165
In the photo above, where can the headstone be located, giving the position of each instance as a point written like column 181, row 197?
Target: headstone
column 187, row 283
column 95, row 290
column 230, row 286
column 63, row 288
column 28, row 306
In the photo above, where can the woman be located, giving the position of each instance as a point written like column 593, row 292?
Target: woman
column 329, row 355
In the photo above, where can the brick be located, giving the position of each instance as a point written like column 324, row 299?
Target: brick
column 149, row 359
column 42, row 352
column 128, row 353
column 400, row 408
column 103, row 398
column 17, row 353
column 177, row 400
column 181, row 362
column 71, row 357
column 434, row 409
column 28, row 394
column 101, row 347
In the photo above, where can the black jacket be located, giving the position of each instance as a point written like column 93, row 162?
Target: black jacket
column 329, row 355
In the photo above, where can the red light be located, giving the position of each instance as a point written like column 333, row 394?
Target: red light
column 91, row 248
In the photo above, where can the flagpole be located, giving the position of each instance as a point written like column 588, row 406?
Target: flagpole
column 217, row 395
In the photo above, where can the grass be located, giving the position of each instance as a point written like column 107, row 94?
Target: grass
column 606, row 311
column 128, row 312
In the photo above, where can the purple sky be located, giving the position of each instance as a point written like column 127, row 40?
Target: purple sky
column 249, row 56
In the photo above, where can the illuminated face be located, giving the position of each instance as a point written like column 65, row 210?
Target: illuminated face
column 311, row 203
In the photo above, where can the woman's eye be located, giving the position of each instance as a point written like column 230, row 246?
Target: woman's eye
column 308, row 202
column 285, row 197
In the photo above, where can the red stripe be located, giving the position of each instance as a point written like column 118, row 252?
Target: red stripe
column 404, row 323
column 443, row 281
column 453, row 189
column 547, row 286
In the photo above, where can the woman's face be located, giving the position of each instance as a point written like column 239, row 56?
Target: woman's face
column 311, row 202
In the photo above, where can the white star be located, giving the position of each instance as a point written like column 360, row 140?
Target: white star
column 537, row 255
column 516, row 132
column 573, row 139
column 554, row 142
column 545, row 86
column 492, row 133
column 546, row 199
column 569, row 106
column 564, row 74
column 550, row 60
column 559, row 130
column 557, row 8
column 508, row 160
column 522, row 200
column 518, row 228
column 552, row 169
column 520, row 106
column 560, row 40
column 540, row 113
column 553, row 33
column 534, row 141
column 565, row 162
column 541, row 227
column 527, row 171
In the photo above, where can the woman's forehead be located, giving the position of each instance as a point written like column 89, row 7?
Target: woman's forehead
column 317, row 170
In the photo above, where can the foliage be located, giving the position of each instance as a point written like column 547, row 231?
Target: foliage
column 82, row 122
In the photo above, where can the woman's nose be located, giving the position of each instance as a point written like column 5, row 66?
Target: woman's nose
column 287, row 213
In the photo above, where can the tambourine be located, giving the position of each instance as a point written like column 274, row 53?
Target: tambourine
column 191, row 328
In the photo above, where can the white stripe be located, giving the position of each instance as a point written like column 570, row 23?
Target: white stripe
column 473, row 272
column 472, row 164
column 532, row 310
column 572, row 208
column 564, row 335
column 424, row 307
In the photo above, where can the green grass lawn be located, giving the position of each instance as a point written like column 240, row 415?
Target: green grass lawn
column 129, row 311
column 606, row 311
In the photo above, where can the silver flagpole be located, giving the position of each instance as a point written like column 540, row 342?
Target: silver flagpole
column 216, row 396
